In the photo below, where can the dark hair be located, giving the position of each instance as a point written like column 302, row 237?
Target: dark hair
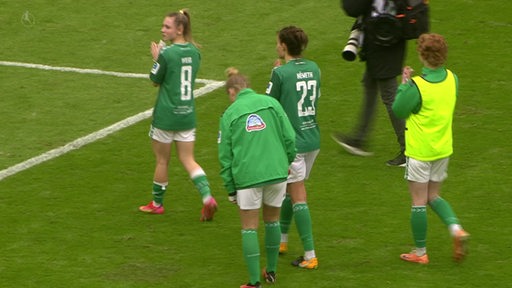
column 294, row 38
column 236, row 80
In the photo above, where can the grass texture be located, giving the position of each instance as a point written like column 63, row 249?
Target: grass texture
column 73, row 221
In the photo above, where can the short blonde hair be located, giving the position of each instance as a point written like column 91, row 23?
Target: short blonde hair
column 432, row 48
column 236, row 80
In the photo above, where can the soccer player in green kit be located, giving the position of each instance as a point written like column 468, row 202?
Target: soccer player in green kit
column 427, row 102
column 256, row 146
column 174, row 72
column 296, row 85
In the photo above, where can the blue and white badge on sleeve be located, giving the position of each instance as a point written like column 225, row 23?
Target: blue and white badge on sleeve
column 269, row 87
column 155, row 68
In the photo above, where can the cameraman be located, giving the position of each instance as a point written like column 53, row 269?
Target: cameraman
column 383, row 65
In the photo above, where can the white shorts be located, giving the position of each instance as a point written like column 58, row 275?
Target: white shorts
column 423, row 172
column 165, row 136
column 252, row 198
column 301, row 166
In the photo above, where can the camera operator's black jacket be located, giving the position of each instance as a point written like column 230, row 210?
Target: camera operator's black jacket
column 381, row 61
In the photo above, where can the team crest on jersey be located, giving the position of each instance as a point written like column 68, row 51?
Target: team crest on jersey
column 254, row 123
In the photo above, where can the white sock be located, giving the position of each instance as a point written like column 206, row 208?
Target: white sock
column 454, row 228
column 421, row 251
column 207, row 199
column 309, row 254
column 284, row 238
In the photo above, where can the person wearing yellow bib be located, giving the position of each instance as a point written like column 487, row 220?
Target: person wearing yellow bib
column 427, row 103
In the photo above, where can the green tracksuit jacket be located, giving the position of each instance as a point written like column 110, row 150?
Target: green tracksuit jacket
column 256, row 142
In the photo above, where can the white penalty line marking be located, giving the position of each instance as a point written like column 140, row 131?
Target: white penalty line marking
column 210, row 86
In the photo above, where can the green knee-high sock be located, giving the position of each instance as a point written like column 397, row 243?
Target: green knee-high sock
column 286, row 214
column 419, row 225
column 202, row 185
column 158, row 192
column 303, row 223
column 444, row 211
column 251, row 251
column 272, row 240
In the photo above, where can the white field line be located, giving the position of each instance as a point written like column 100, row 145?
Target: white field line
column 85, row 71
column 210, row 86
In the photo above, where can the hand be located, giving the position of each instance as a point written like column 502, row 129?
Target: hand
column 406, row 74
column 277, row 63
column 155, row 50
column 232, row 197
column 161, row 44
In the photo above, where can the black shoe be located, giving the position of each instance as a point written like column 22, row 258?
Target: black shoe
column 398, row 161
column 352, row 146
column 297, row 261
column 270, row 277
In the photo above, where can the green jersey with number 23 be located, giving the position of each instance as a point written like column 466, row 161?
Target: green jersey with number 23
column 296, row 85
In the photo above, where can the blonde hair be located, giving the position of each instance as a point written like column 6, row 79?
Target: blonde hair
column 433, row 49
column 236, row 80
column 182, row 18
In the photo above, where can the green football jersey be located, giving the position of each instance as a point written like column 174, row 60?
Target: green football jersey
column 296, row 85
column 175, row 71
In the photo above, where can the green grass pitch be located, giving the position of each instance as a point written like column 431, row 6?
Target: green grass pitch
column 73, row 222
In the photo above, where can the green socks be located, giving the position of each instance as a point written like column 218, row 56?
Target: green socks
column 419, row 225
column 158, row 192
column 272, row 241
column 202, row 185
column 286, row 214
column 444, row 211
column 419, row 219
column 304, row 227
column 251, row 249
column 251, row 252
